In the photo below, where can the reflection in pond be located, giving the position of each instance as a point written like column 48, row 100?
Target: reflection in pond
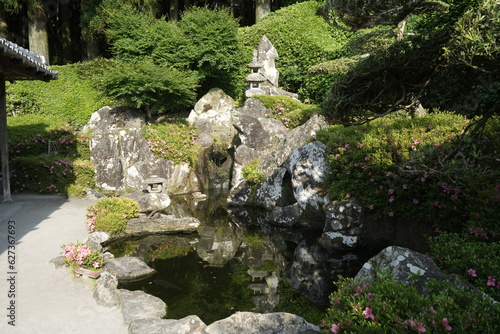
column 235, row 265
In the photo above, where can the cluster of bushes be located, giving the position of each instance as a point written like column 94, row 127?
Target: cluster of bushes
column 428, row 170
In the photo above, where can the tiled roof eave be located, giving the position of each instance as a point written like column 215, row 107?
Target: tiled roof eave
column 18, row 63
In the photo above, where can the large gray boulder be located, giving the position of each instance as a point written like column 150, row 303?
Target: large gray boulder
column 402, row 263
column 123, row 160
column 138, row 305
column 188, row 325
column 129, row 268
column 120, row 152
column 270, row 323
column 298, row 137
column 294, row 170
column 309, row 170
column 213, row 114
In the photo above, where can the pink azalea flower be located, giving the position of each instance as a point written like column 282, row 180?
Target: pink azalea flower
column 418, row 326
column 446, row 324
column 491, row 281
column 368, row 313
column 96, row 264
column 472, row 272
column 335, row 328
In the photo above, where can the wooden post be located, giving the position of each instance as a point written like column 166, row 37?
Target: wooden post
column 4, row 143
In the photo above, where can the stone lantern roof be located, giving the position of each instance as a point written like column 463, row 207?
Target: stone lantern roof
column 255, row 77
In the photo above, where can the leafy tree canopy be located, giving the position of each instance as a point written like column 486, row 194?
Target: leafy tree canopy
column 447, row 60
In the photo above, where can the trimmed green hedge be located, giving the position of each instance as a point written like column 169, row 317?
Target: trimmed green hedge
column 69, row 97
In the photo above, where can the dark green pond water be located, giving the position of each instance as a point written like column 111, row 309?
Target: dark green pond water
column 231, row 266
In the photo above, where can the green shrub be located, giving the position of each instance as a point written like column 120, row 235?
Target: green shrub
column 251, row 172
column 69, row 97
column 302, row 39
column 213, row 49
column 111, row 215
column 173, row 139
column 291, row 112
column 153, row 88
column 33, row 169
column 416, row 168
column 472, row 255
column 388, row 306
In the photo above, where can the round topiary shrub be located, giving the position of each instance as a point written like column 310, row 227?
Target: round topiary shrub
column 111, row 215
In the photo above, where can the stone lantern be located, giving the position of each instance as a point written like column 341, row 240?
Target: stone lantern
column 255, row 79
column 156, row 184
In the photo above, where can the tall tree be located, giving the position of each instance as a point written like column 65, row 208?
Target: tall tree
column 4, row 30
column 37, row 29
column 262, row 8
column 174, row 10
column 65, row 18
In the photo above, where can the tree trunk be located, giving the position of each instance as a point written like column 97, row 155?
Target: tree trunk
column 65, row 16
column 262, row 8
column 4, row 31
column 91, row 48
column 38, row 34
column 174, row 10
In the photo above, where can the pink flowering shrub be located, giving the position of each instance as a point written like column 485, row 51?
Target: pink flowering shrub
column 67, row 172
column 472, row 255
column 111, row 215
column 173, row 139
column 387, row 306
column 424, row 169
column 82, row 256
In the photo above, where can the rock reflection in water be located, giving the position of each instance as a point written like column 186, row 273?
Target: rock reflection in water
column 236, row 262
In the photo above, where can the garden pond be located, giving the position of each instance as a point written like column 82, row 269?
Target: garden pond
column 231, row 266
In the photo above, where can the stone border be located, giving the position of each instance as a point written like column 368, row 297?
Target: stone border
column 144, row 313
